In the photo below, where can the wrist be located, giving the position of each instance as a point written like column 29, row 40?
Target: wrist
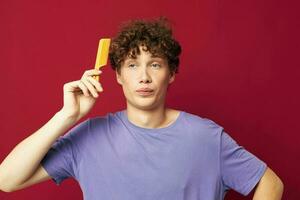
column 65, row 117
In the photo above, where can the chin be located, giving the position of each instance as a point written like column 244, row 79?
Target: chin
column 144, row 105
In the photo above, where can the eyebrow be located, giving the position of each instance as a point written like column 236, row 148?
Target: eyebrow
column 152, row 58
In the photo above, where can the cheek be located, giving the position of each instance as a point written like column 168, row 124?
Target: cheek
column 163, row 81
column 128, row 86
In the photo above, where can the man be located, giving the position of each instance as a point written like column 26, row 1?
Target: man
column 147, row 151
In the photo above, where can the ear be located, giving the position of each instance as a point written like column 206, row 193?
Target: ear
column 171, row 77
column 118, row 77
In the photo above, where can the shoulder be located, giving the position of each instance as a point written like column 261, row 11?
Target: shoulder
column 89, row 128
column 106, row 119
column 200, row 122
column 204, row 131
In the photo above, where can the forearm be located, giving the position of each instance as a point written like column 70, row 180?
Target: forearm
column 23, row 160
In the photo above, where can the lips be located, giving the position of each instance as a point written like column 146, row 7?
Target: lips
column 144, row 90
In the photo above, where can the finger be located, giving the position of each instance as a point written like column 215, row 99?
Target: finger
column 92, row 72
column 83, row 88
column 90, row 87
column 96, row 84
column 72, row 86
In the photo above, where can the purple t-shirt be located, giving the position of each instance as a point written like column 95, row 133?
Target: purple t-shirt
column 191, row 159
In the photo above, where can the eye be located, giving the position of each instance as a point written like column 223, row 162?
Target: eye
column 131, row 65
column 155, row 65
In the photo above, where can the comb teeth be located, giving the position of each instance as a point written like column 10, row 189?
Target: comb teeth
column 102, row 53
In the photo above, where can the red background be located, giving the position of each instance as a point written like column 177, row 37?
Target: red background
column 239, row 67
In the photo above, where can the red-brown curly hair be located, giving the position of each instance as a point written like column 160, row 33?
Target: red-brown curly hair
column 154, row 35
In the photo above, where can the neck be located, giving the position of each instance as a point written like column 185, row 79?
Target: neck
column 155, row 118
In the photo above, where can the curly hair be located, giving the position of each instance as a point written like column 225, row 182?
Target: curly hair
column 154, row 36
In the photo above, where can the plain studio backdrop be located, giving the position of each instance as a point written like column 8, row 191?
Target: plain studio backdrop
column 239, row 68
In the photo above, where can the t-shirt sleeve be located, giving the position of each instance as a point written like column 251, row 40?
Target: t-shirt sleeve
column 240, row 169
column 60, row 161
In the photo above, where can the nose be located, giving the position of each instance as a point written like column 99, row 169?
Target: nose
column 144, row 76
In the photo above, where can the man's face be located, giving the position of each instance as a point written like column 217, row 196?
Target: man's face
column 145, row 80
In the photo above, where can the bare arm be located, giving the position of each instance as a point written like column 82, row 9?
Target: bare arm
column 24, row 159
column 270, row 187
column 21, row 168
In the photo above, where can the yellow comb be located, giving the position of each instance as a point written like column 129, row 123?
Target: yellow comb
column 102, row 54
